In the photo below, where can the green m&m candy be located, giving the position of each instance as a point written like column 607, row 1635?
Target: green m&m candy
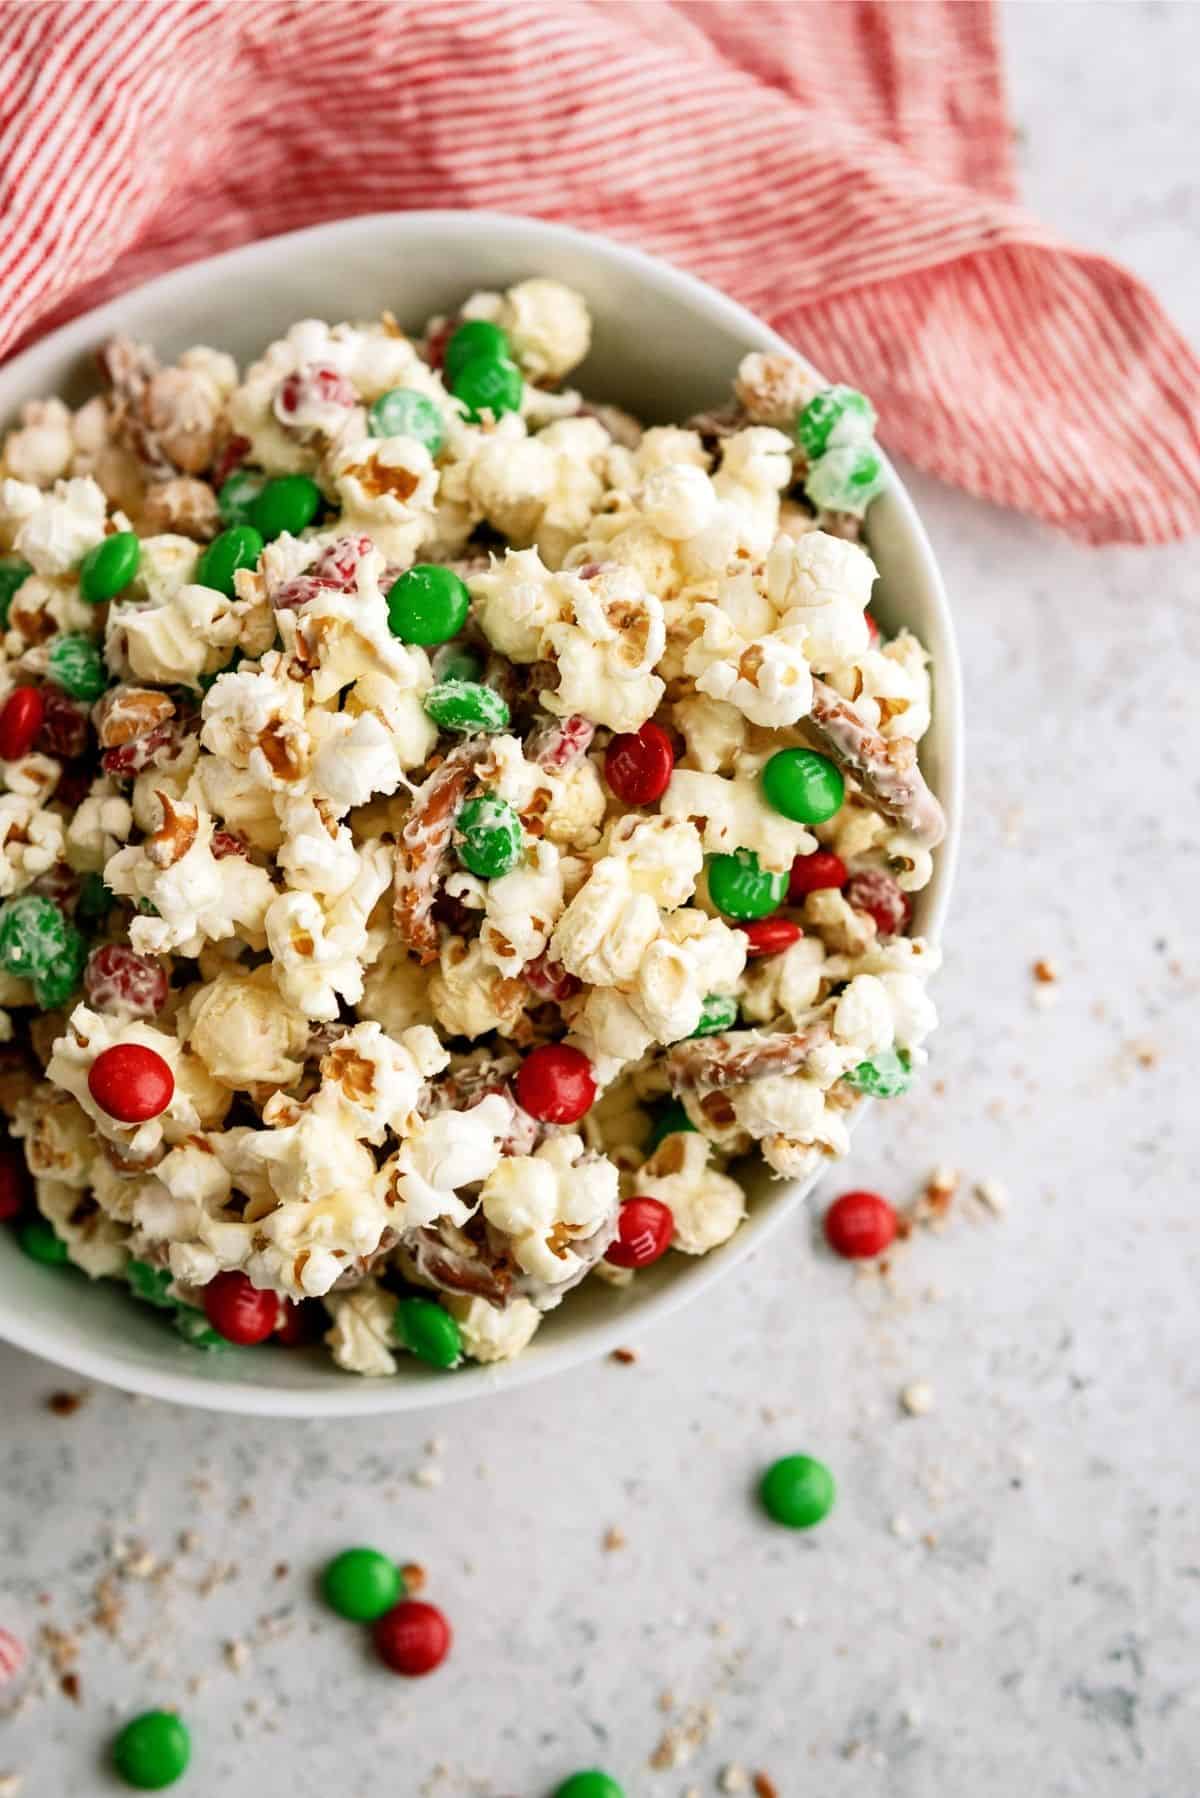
column 403, row 412
column 474, row 337
column 150, row 1284
column 33, row 936
column 59, row 979
column 238, row 494
column 467, row 706
column 238, row 547
column 77, row 666
column 803, row 785
column 109, row 567
column 428, row 1332
column 360, row 1584
column 885, row 1076
column 740, row 889
column 288, row 503
column 719, row 1012
column 797, row 1491
column 428, row 604
column 484, row 385
column 835, row 416
column 488, row 837
column 847, row 479
column 13, row 574
column 454, row 661
column 95, row 900
column 39, row 1242
column 591, row 1783
column 152, row 1751
column 669, row 1121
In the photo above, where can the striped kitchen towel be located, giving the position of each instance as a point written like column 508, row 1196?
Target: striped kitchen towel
column 842, row 168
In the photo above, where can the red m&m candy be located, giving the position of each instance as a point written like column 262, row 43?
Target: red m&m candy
column 412, row 1638
column 131, row 1083
column 638, row 764
column 238, row 1311
column 20, row 722
column 813, row 873
column 769, row 936
column 859, row 1225
column 15, row 1187
column 555, row 1083
column 644, row 1231
column 876, row 893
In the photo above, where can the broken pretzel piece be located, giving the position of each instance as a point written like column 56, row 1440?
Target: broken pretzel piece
column 705, row 1063
column 424, row 844
column 886, row 771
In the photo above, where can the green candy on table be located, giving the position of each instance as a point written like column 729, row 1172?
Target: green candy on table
column 847, row 479
column 833, row 417
column 360, row 1584
column 797, row 1491
column 403, row 412
column 467, row 706
column 670, row 1121
column 885, row 1076
column 55, row 984
column 289, row 503
column 475, row 337
column 238, row 494
column 152, row 1751
column 39, row 1241
column 719, row 1012
column 13, row 574
column 109, row 566
column 740, row 889
column 591, row 1783
column 428, row 1332
column 803, row 785
column 488, row 838
column 238, row 547
column 76, row 665
column 33, row 936
column 488, row 385
column 428, row 604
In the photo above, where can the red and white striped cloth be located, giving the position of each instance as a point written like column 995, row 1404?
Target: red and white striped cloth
column 844, row 169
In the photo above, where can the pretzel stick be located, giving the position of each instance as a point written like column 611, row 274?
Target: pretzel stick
column 423, row 846
column 886, row 770
column 706, row 1062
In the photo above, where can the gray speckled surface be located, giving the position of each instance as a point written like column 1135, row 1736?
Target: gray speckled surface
column 1008, row 1595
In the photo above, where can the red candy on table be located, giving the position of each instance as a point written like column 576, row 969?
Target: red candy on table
column 15, row 1186
column 131, row 1083
column 644, row 1231
column 555, row 1084
column 116, row 978
column 769, row 936
column 412, row 1638
column 814, row 873
column 638, row 764
column 877, row 894
column 238, row 1311
column 859, row 1225
column 20, row 722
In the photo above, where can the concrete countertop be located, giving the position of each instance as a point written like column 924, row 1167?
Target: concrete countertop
column 1007, row 1597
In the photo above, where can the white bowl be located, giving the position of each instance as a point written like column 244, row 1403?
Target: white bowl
column 665, row 346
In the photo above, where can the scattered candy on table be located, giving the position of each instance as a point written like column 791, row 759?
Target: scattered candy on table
column 860, row 1224
column 412, row 1638
column 361, row 1584
column 797, row 1491
column 152, row 1751
column 591, row 1783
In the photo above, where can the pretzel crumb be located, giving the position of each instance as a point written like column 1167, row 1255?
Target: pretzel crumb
column 626, row 1356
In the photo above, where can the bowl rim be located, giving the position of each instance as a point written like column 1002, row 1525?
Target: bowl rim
column 361, row 1397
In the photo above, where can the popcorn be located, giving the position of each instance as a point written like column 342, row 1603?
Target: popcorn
column 39, row 452
column 93, row 1241
column 100, row 824
column 707, row 1206
column 195, row 895
column 59, row 1141
column 52, row 531
column 386, row 487
column 442, row 1155
column 545, row 1202
column 469, row 996
column 31, row 841
column 522, row 908
column 492, row 1335
column 607, row 928
column 548, row 327
column 822, row 584
column 361, row 1340
column 664, row 857
column 605, row 648
column 732, row 814
column 318, row 948
column 244, row 1031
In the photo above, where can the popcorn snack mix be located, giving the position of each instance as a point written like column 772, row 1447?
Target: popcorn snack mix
column 446, row 825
